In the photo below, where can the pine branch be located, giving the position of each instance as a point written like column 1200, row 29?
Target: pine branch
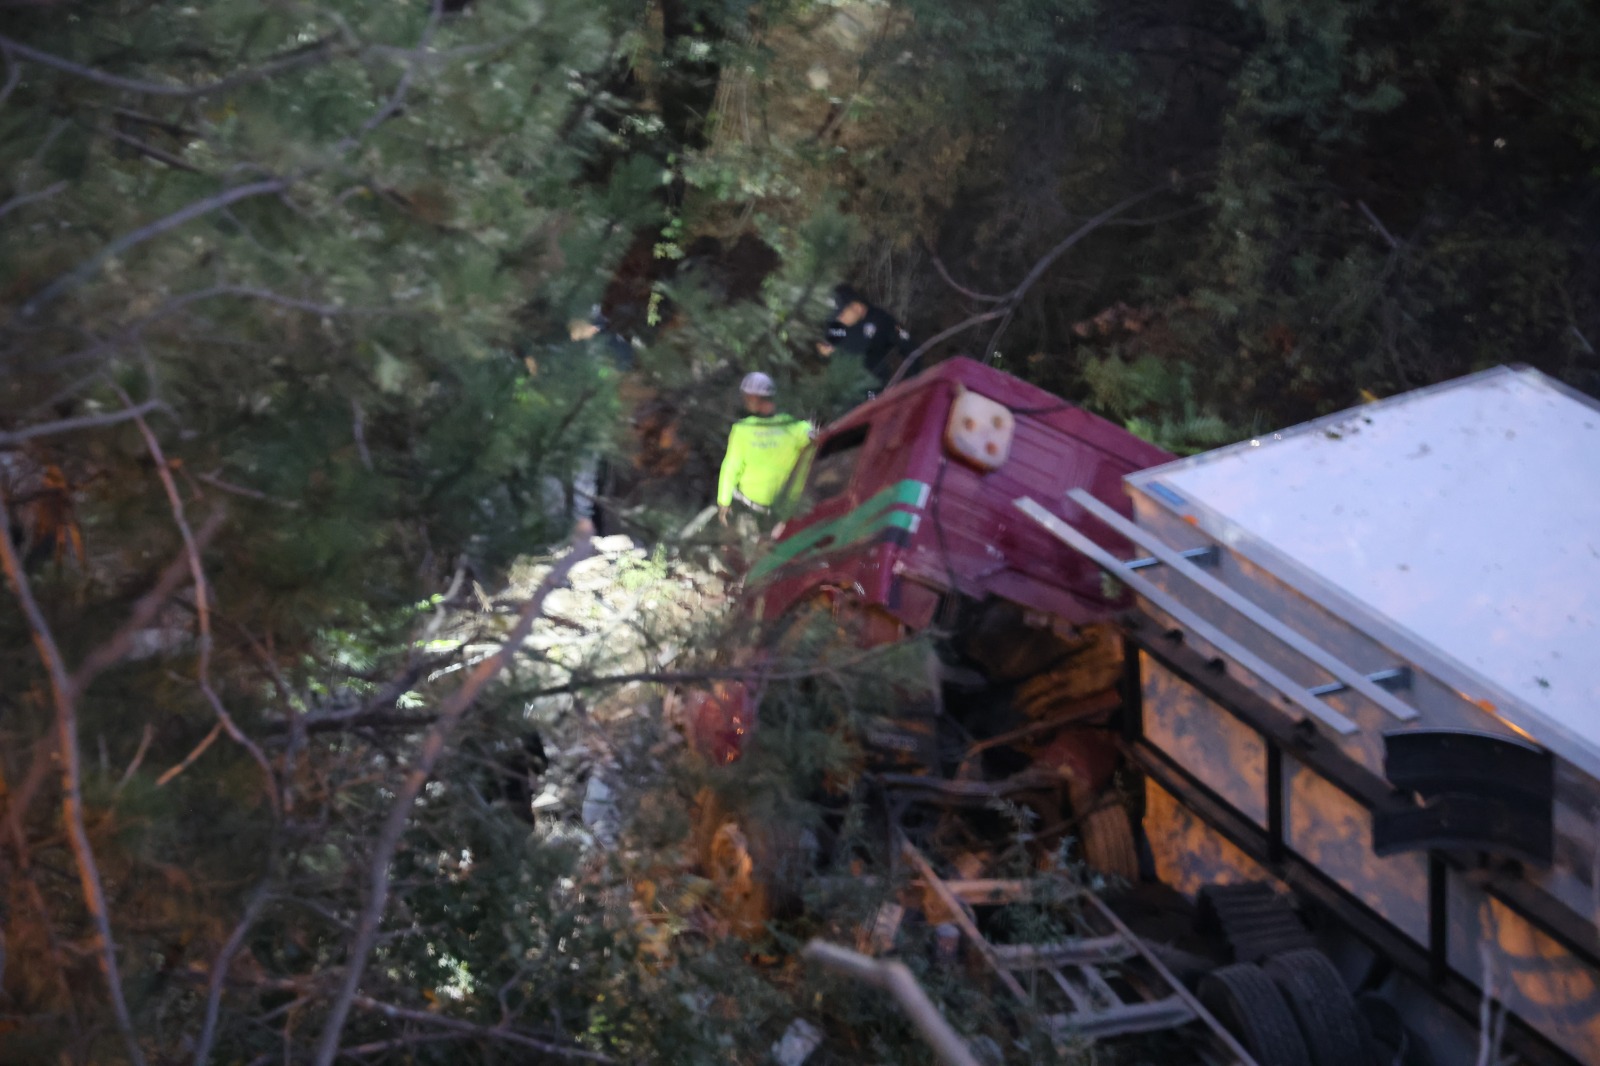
column 406, row 795
column 23, row 199
column 200, row 208
column 219, row 970
column 70, row 425
column 202, row 597
column 66, row 722
column 16, row 808
column 314, row 52
column 397, row 98
column 134, row 330
column 500, row 1033
column 144, row 148
column 116, row 648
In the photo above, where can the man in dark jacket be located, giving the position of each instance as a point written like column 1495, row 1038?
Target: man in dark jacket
column 860, row 329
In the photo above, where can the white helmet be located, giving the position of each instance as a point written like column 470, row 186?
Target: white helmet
column 756, row 383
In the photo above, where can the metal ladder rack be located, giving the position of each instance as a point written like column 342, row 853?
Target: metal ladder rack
column 1074, row 967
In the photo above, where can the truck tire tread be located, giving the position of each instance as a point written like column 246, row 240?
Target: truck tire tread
column 1247, row 1002
column 1322, row 1005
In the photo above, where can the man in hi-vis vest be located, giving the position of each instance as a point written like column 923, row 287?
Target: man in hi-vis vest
column 762, row 450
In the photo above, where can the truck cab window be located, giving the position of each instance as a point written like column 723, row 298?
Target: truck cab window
column 832, row 467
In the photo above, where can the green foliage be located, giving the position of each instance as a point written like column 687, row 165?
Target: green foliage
column 1144, row 395
column 313, row 240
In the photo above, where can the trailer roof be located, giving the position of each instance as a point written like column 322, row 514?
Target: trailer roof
column 1465, row 517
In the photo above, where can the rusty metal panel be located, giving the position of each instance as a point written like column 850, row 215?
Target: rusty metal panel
column 1188, row 853
column 1221, row 752
column 1533, row 975
column 1331, row 830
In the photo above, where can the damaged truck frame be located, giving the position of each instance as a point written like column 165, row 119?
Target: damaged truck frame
column 1347, row 675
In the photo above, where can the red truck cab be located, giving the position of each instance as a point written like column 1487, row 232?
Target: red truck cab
column 907, row 500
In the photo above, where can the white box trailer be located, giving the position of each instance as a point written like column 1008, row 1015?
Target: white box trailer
column 1365, row 668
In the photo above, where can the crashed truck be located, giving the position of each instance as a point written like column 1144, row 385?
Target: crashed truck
column 1352, row 670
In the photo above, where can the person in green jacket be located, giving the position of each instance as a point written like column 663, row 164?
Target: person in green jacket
column 762, row 450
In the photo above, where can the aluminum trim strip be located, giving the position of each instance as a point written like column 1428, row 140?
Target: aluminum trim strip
column 1287, row 687
column 1340, row 669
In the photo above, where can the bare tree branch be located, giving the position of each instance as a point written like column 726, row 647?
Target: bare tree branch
column 138, row 758
column 486, row 1032
column 397, row 98
column 66, row 715
column 909, row 361
column 982, row 297
column 1048, row 259
column 145, row 148
column 358, row 430
column 202, row 597
column 176, row 129
column 15, row 810
column 377, row 713
column 1010, row 301
column 300, row 57
column 1578, row 333
column 394, row 825
column 188, row 760
column 896, row 978
column 83, row 271
column 114, row 649
column 23, row 199
column 1383, row 231
column 70, row 425
column 375, row 1046
column 219, row 970
column 250, row 494
column 13, row 76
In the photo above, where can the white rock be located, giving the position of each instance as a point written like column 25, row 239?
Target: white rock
column 799, row 1041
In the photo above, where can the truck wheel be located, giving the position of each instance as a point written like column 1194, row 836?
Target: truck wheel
column 1320, row 1002
column 1245, row 1000
column 1108, row 844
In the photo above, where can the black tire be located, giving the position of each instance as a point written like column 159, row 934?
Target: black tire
column 1108, row 844
column 1323, row 1007
column 1248, row 1004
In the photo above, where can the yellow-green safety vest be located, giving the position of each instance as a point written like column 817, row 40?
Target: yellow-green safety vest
column 761, row 452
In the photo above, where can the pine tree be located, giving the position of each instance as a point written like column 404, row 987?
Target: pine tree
column 268, row 276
